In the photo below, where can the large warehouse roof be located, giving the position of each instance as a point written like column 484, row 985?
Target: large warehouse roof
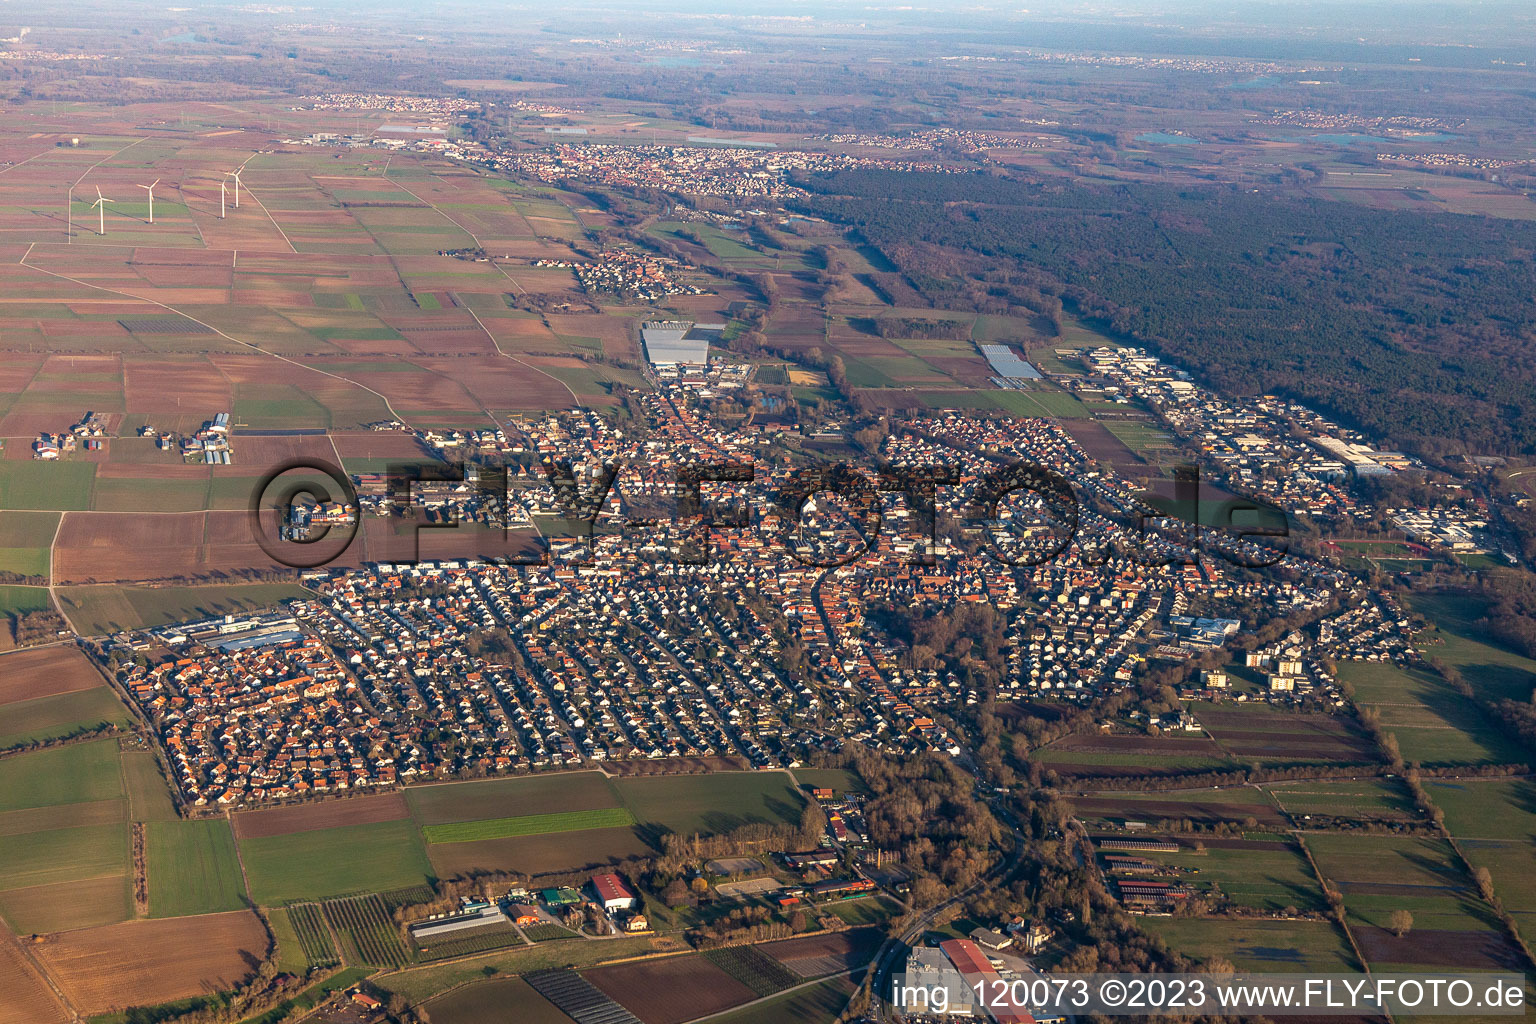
column 676, row 341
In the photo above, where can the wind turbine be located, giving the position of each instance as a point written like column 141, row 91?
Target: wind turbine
column 236, row 175
column 151, row 189
column 101, row 208
column 223, row 192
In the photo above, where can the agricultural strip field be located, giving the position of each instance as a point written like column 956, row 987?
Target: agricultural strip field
column 313, row 817
column 334, row 862
column 44, row 672
column 506, row 798
column 192, row 868
column 96, row 610
column 25, row 997
column 712, row 803
column 47, row 718
column 1379, row 875
column 529, row 825
column 539, row 855
column 1433, row 724
column 499, row 1001
column 1494, row 823
column 78, row 773
column 142, row 963
column 1362, row 799
column 1258, row 945
column 818, row 1004
column 670, row 990
column 367, row 934
column 1204, row 805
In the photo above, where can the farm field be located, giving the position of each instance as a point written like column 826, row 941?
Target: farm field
column 1494, row 823
column 1204, row 805
column 1264, row 876
column 326, row 814
column 47, row 718
column 510, row 798
column 500, row 1001
column 711, row 803
column 141, row 963
column 1257, row 945
column 25, row 997
column 96, row 610
column 1380, row 874
column 77, row 773
column 334, row 862
column 44, row 672
column 538, row 855
column 819, row 1004
column 671, row 990
column 1432, row 723
column 192, row 868
column 149, row 794
column 1361, row 798
column 1493, row 671
column 529, row 825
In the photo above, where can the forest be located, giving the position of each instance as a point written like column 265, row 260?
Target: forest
column 1417, row 328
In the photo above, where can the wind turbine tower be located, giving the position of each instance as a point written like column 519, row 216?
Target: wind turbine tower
column 101, row 209
column 223, row 193
column 236, row 175
column 150, row 188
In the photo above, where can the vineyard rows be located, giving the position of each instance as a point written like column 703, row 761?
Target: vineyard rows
column 368, row 936
column 482, row 941
column 314, row 937
column 754, row 969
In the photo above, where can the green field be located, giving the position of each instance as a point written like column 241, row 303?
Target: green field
column 1492, row 671
column 64, row 775
column 1272, row 878
column 62, row 855
column 510, row 798
column 1494, row 823
column 62, row 486
column 528, row 825
column 1266, row 946
column 149, row 794
column 46, row 718
column 712, row 803
column 193, row 868
column 1361, row 798
column 334, row 862
column 1433, row 723
column 500, row 1001
column 15, row 600
column 96, row 610
column 1380, row 874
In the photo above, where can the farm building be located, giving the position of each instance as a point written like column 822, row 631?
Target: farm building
column 612, row 893
column 562, row 897
column 482, row 917
column 842, row 888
